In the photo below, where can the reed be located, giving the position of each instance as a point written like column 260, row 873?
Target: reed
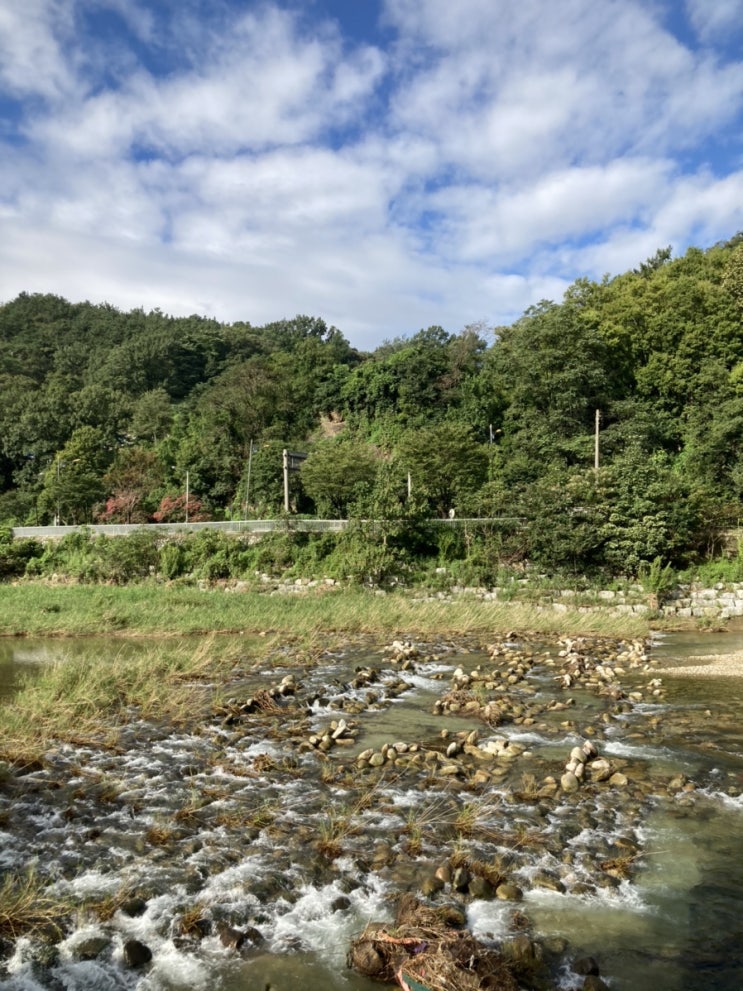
column 76, row 610
column 26, row 907
column 77, row 701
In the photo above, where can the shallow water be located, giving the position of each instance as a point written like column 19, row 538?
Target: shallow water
column 175, row 817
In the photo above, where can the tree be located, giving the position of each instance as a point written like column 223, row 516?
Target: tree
column 152, row 416
column 73, row 482
column 447, row 465
column 733, row 277
column 132, row 481
column 336, row 472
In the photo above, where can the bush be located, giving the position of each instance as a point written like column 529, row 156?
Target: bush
column 16, row 555
column 126, row 559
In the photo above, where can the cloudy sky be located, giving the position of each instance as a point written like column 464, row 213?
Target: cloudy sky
column 383, row 164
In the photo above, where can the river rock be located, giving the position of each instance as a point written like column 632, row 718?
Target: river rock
column 136, row 954
column 600, row 770
column 431, row 885
column 365, row 958
column 460, row 879
column 509, row 892
column 134, row 907
column 585, row 966
column 569, row 782
column 91, row 947
column 594, row 983
column 480, row 887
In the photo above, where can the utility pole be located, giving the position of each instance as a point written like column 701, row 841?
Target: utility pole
column 285, row 453
column 59, row 509
column 187, row 480
column 596, row 444
column 247, row 484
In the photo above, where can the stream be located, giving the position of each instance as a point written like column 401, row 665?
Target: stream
column 244, row 856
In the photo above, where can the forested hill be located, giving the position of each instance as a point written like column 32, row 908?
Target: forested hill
column 113, row 417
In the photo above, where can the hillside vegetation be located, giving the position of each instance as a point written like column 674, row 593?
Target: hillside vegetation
column 122, row 417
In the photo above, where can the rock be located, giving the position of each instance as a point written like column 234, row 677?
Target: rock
column 136, row 954
column 431, row 885
column 365, row 958
column 600, row 770
column 569, row 782
column 509, row 892
column 134, row 907
column 480, row 887
column 91, row 947
column 461, row 879
column 235, row 939
column 585, row 966
column 594, row 983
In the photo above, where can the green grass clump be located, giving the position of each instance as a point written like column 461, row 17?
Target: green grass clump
column 75, row 610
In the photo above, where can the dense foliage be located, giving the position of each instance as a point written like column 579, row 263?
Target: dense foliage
column 140, row 417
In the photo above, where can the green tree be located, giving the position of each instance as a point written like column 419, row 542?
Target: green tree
column 336, row 472
column 447, row 466
column 73, row 483
column 152, row 416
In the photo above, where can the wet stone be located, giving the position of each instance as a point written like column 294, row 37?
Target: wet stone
column 136, row 954
column 92, row 947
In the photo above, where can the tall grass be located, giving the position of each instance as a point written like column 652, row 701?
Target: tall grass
column 77, row 610
column 27, row 907
column 77, row 700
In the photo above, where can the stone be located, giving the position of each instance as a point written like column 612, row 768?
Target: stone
column 136, row 954
column 509, row 892
column 91, row 947
column 569, row 782
column 585, row 966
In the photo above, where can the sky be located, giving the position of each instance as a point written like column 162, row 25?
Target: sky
column 386, row 165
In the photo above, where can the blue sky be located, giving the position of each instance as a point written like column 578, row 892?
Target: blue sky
column 384, row 164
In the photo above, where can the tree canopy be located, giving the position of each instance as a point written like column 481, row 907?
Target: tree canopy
column 104, row 414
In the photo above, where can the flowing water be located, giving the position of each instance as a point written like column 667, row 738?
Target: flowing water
column 182, row 834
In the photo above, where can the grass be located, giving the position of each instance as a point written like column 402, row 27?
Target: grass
column 175, row 679
column 77, row 701
column 36, row 609
column 27, row 909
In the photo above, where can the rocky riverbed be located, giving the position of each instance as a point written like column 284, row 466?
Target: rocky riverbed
column 479, row 779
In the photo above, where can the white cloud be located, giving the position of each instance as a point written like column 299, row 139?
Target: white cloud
column 529, row 85
column 258, row 86
column 32, row 60
column 490, row 155
column 505, row 225
column 715, row 20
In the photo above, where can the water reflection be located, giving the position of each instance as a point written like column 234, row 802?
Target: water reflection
column 20, row 658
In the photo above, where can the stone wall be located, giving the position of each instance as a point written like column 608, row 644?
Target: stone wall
column 723, row 601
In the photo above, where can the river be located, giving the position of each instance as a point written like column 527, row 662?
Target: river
column 247, row 826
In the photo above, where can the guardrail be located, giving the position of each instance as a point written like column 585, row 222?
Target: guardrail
column 290, row 525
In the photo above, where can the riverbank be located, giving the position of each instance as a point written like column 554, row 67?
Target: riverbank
column 304, row 608
column 708, row 666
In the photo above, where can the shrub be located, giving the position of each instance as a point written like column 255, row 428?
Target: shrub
column 15, row 555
